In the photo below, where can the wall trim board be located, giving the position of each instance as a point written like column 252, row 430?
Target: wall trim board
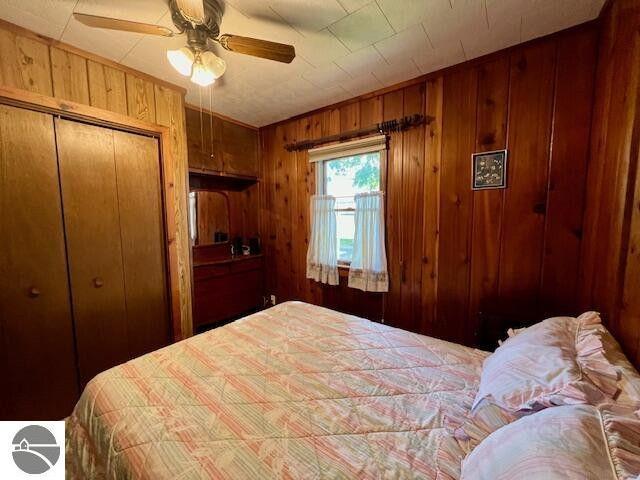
column 99, row 117
column 434, row 75
column 220, row 116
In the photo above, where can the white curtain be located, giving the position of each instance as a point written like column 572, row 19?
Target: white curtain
column 368, row 271
column 322, row 256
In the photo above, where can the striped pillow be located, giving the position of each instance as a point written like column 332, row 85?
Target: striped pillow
column 567, row 442
column 556, row 362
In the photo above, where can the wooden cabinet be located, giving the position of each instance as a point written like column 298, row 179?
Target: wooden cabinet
column 221, row 146
column 227, row 289
column 83, row 285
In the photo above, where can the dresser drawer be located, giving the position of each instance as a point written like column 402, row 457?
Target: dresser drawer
column 246, row 265
column 210, row 271
column 227, row 290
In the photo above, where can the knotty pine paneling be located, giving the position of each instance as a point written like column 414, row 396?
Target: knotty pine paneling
column 610, row 271
column 70, row 78
column 107, row 87
column 431, row 204
column 530, row 119
column 393, row 107
column 454, row 252
column 491, row 134
column 25, row 63
column 32, row 62
column 569, row 158
column 456, row 201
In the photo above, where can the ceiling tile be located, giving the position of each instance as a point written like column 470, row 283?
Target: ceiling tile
column 448, row 24
column 440, row 57
column 299, row 85
column 363, row 84
column 259, row 9
column 362, row 28
column 332, row 95
column 353, row 5
column 110, row 43
column 397, row 72
column 107, row 43
column 327, row 76
column 409, row 43
column 365, row 60
column 310, row 15
column 144, row 11
column 320, row 47
column 405, row 13
column 503, row 15
column 503, row 31
column 47, row 17
column 235, row 22
column 545, row 17
column 326, row 70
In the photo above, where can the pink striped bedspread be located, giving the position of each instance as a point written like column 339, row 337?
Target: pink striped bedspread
column 296, row 391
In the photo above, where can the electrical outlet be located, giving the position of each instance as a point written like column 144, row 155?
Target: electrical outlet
column 273, row 299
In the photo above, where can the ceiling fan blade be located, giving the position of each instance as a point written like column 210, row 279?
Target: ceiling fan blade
column 192, row 10
column 279, row 52
column 124, row 25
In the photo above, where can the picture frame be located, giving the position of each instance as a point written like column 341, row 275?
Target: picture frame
column 489, row 170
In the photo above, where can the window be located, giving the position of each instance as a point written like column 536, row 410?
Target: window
column 343, row 175
column 343, row 178
column 193, row 208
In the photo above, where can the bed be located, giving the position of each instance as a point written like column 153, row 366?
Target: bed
column 296, row 391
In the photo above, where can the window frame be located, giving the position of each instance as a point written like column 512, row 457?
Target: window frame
column 320, row 175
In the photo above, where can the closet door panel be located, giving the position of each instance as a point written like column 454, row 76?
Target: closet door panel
column 142, row 233
column 37, row 356
column 89, row 193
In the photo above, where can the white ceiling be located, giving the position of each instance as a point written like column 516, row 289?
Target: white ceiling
column 344, row 47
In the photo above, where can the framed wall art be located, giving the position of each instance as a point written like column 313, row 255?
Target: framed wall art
column 489, row 170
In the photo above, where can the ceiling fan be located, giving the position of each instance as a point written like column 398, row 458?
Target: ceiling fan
column 200, row 21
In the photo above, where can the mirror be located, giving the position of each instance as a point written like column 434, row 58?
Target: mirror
column 208, row 217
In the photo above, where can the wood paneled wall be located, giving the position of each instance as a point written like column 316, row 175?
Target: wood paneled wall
column 39, row 64
column 454, row 252
column 610, row 274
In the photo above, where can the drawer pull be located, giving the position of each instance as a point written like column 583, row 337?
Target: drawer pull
column 34, row 292
column 98, row 282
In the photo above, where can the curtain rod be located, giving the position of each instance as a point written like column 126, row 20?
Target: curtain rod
column 397, row 125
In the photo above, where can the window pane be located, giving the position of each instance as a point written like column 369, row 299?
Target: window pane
column 344, row 177
column 345, row 223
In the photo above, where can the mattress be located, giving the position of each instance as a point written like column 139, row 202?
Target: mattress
column 296, row 391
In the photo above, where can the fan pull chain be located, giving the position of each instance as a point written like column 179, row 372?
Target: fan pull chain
column 211, row 117
column 201, row 122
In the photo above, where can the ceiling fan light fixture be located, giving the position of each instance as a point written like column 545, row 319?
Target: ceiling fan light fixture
column 202, row 75
column 182, row 60
column 214, row 63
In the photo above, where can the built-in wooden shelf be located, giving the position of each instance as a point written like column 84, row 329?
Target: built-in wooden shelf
column 226, row 261
column 211, row 179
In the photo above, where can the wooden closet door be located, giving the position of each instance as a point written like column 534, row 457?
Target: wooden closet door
column 143, row 245
column 38, row 365
column 92, row 223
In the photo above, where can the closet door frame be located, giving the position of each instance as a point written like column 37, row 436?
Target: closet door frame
column 103, row 118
